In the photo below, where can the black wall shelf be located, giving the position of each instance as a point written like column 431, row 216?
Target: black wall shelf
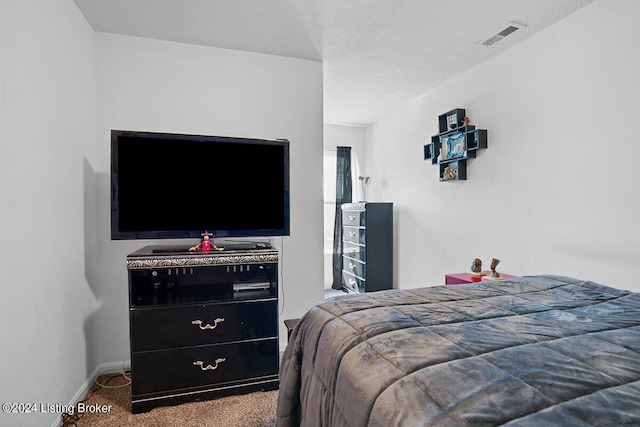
column 456, row 142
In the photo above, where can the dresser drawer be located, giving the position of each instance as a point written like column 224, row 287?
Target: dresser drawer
column 158, row 371
column 354, row 218
column 357, row 268
column 353, row 234
column 354, row 250
column 181, row 326
column 353, row 283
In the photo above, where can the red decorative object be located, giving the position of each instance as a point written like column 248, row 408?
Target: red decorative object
column 205, row 244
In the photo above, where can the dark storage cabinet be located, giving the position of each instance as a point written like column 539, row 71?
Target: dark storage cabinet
column 202, row 325
column 367, row 246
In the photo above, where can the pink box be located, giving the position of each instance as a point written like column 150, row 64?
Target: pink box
column 461, row 278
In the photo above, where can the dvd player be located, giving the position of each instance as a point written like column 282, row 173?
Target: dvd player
column 251, row 286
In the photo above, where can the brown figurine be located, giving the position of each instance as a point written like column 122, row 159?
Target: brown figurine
column 448, row 173
column 476, row 267
column 494, row 264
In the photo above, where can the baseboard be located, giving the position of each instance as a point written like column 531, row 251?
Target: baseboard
column 105, row 368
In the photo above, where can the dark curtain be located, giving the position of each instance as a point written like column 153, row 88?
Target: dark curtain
column 343, row 195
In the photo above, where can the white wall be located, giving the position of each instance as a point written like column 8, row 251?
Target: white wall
column 160, row 86
column 47, row 135
column 556, row 190
column 62, row 89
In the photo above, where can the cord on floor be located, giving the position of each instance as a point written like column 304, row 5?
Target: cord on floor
column 70, row 419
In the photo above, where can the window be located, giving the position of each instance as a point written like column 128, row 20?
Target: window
column 329, row 184
column 329, row 190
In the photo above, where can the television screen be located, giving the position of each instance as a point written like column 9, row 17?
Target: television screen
column 178, row 186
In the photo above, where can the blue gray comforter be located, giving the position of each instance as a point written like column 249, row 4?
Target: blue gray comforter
column 532, row 351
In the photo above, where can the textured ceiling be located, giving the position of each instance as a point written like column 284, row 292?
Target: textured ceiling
column 377, row 54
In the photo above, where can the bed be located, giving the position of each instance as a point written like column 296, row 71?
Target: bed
column 529, row 351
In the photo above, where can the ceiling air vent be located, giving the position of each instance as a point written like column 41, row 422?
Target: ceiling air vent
column 513, row 26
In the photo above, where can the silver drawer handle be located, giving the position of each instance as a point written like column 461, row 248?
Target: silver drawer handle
column 208, row 367
column 352, row 265
column 352, row 281
column 352, row 217
column 352, row 233
column 207, row 326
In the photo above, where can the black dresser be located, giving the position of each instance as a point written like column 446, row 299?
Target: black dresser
column 367, row 246
column 202, row 325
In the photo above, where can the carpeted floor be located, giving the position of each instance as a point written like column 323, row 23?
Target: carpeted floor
column 254, row 409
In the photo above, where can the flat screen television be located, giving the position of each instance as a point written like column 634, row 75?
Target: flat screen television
column 166, row 186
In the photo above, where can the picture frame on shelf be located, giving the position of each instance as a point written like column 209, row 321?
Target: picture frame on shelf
column 452, row 121
column 454, row 145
